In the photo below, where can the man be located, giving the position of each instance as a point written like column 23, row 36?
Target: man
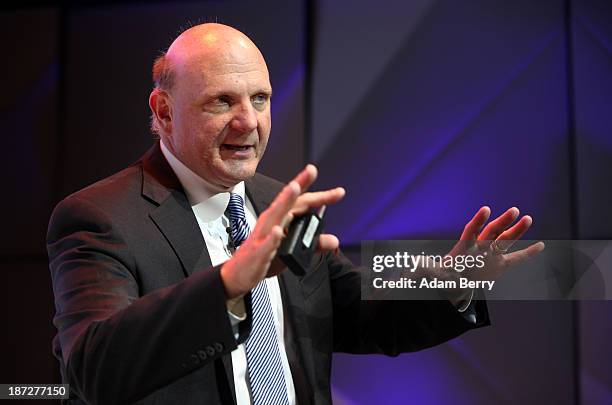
column 155, row 302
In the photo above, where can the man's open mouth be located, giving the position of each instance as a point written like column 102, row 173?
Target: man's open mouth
column 236, row 147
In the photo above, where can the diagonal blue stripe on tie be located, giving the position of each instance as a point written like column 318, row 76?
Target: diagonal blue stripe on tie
column 264, row 366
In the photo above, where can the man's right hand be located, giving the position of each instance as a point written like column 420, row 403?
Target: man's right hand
column 251, row 263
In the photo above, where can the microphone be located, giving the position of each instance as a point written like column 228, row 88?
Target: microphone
column 230, row 240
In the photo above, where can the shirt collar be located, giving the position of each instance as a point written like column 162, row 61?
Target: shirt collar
column 209, row 204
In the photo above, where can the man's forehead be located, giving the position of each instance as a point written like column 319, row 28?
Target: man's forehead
column 218, row 60
column 216, row 72
column 226, row 65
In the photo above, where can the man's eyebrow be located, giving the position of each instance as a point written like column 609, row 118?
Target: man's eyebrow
column 267, row 91
column 226, row 93
column 217, row 94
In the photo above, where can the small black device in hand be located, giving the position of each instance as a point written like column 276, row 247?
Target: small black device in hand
column 300, row 244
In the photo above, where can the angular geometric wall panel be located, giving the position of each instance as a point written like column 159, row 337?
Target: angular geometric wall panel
column 592, row 49
column 354, row 43
column 470, row 110
column 592, row 29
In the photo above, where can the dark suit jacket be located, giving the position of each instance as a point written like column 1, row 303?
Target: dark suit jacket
column 141, row 314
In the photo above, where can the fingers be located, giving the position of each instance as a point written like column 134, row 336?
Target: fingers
column 328, row 242
column 279, row 208
column 497, row 226
column 472, row 228
column 263, row 252
column 520, row 256
column 306, row 177
column 307, row 201
column 514, row 233
column 517, row 230
column 249, row 265
column 316, row 199
column 271, row 243
column 287, row 221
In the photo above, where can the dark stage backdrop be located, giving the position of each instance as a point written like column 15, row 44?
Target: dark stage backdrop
column 424, row 110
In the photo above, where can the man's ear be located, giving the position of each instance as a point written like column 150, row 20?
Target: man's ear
column 161, row 107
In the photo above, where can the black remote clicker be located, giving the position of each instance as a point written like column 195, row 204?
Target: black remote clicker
column 300, row 244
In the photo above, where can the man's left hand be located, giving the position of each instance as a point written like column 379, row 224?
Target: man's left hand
column 495, row 240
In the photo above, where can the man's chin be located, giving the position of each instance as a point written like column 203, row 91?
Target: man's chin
column 234, row 175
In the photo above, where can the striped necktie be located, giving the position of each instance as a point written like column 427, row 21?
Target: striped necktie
column 264, row 366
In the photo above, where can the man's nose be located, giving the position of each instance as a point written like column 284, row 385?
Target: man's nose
column 245, row 118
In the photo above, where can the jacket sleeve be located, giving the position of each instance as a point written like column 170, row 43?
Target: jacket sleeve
column 390, row 327
column 117, row 346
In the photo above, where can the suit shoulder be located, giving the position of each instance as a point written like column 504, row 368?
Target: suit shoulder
column 111, row 192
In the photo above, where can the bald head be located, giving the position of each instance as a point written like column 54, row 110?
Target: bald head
column 211, row 43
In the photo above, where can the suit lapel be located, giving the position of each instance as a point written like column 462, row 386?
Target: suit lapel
column 176, row 221
column 174, row 218
column 173, row 215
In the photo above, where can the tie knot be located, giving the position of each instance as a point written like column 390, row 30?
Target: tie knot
column 239, row 226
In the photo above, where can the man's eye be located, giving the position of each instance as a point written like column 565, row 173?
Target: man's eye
column 218, row 104
column 260, row 99
column 222, row 101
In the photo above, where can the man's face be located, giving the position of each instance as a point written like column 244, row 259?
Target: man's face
column 221, row 114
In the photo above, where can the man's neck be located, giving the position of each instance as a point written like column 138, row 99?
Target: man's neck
column 197, row 188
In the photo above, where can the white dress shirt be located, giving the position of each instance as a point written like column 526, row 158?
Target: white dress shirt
column 209, row 206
